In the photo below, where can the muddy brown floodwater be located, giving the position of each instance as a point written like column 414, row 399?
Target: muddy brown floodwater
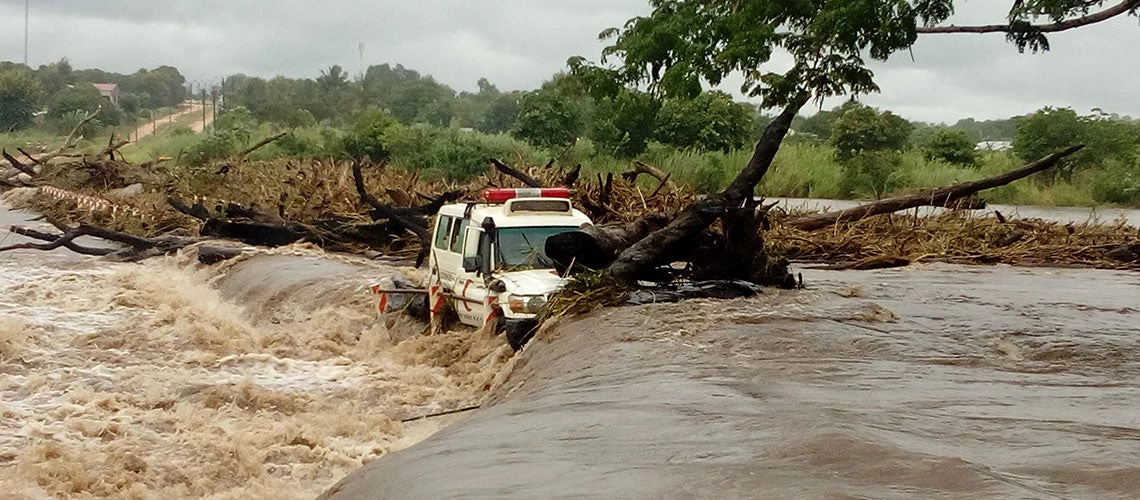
column 929, row 381
column 269, row 377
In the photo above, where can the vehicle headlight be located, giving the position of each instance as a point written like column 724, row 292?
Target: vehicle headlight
column 529, row 304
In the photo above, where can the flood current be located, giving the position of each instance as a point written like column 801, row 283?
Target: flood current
column 928, row 381
column 267, row 377
column 272, row 377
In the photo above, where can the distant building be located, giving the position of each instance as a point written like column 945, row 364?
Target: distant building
column 994, row 145
column 109, row 91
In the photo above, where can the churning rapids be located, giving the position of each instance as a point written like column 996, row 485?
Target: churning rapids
column 272, row 377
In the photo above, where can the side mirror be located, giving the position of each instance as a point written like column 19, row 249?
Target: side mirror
column 471, row 264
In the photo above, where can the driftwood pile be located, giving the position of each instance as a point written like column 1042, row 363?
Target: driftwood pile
column 647, row 228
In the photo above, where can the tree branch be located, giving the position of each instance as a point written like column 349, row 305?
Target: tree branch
column 522, row 176
column 54, row 242
column 941, row 197
column 386, row 211
column 260, row 144
column 1104, row 15
column 17, row 165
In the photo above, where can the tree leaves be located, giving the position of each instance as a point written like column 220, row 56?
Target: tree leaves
column 685, row 43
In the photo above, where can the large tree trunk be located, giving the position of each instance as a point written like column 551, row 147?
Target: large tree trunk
column 657, row 248
column 595, row 247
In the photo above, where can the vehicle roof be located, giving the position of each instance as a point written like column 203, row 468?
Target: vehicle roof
column 496, row 211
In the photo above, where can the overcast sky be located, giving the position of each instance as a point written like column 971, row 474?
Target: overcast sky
column 517, row 44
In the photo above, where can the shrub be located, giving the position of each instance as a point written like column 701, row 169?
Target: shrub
column 951, row 146
column 365, row 138
column 1117, row 183
column 870, row 174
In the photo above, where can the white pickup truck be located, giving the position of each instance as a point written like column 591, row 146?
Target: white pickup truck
column 488, row 259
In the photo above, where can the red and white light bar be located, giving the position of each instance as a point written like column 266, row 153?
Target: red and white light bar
column 500, row 195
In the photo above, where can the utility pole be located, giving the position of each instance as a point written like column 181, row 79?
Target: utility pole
column 27, row 16
column 202, row 88
column 360, row 76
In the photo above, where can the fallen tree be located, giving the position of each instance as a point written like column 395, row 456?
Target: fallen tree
column 659, row 247
column 940, row 197
column 737, row 250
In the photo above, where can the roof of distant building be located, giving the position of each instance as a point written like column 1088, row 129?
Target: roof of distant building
column 105, row 87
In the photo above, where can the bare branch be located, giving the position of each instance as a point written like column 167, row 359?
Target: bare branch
column 260, row 144
column 522, row 176
column 66, row 240
column 17, row 165
column 1104, row 15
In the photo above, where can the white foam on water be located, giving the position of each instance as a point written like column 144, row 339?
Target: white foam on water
column 143, row 380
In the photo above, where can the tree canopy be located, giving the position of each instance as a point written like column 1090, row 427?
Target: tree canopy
column 685, row 43
column 19, row 93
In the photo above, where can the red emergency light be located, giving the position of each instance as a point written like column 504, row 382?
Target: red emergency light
column 500, row 195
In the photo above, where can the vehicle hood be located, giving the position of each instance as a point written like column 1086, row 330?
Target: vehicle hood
column 531, row 282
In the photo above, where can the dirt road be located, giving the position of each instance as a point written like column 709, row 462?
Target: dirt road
column 189, row 113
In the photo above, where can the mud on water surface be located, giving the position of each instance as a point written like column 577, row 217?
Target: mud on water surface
column 268, row 377
column 928, row 381
column 272, row 377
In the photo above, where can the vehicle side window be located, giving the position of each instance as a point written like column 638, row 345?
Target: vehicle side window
column 457, row 236
column 471, row 243
column 443, row 231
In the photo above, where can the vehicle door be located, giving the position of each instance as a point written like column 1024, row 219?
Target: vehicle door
column 470, row 290
column 445, row 261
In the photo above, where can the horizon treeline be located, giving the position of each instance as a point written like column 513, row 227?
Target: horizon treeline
column 55, row 96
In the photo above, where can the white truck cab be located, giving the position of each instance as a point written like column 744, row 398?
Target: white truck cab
column 488, row 260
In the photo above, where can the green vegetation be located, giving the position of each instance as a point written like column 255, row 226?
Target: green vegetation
column 650, row 107
column 38, row 105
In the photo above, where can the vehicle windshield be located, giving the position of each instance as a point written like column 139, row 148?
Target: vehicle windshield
column 525, row 247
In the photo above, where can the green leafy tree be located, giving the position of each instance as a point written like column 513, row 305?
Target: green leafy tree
column 867, row 145
column 165, row 84
column 367, row 136
column 623, row 125
column 78, row 99
column 19, row 99
column 709, row 122
column 862, row 128
column 67, row 108
column 1050, row 129
column 501, row 114
column 549, row 117
column 56, row 76
column 951, row 146
column 404, row 93
column 818, row 126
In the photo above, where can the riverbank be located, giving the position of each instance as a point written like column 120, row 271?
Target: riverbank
column 939, row 380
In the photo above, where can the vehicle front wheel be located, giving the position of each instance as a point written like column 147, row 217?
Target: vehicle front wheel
column 520, row 331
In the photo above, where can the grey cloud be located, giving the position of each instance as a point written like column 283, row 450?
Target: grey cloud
column 519, row 44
